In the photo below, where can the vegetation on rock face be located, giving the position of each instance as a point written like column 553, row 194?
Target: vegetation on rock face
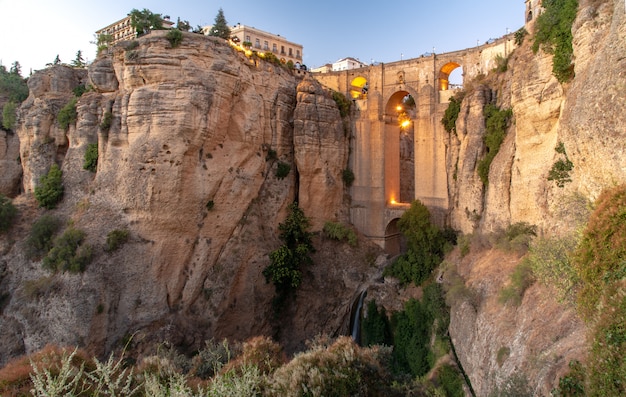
column 282, row 170
column 91, row 157
column 39, row 240
column 348, row 177
column 115, row 239
column 496, row 123
column 452, row 113
column 8, row 212
column 342, row 103
column 13, row 87
column 68, row 253
column 49, row 191
column 425, row 246
column 9, row 116
column 175, row 37
column 339, row 232
column 559, row 173
column 285, row 262
column 67, row 115
column 107, row 119
column 554, row 35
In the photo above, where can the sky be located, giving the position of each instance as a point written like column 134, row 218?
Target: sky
column 34, row 32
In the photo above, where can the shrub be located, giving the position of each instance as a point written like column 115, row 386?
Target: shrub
column 271, row 155
column 39, row 240
column 550, row 260
column 521, row 278
column 9, row 115
column 559, row 173
column 342, row 103
column 68, row 252
column 501, row 64
column 282, row 170
column 452, row 113
column 519, row 35
column 516, row 237
column 175, row 37
column 451, row 381
column 49, row 191
column 411, row 337
column 376, row 329
column 115, row 239
column 285, row 262
column 425, row 246
column 67, row 115
column 91, row 158
column 573, row 383
column 79, row 90
column 348, row 177
column 8, row 212
column 496, row 123
column 107, row 119
column 210, row 205
column 337, row 231
column 553, row 34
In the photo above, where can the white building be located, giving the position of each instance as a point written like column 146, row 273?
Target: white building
column 342, row 64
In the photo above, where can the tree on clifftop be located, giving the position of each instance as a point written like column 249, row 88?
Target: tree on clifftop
column 145, row 20
column 220, row 27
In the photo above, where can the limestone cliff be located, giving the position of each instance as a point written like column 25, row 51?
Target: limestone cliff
column 587, row 115
column 185, row 166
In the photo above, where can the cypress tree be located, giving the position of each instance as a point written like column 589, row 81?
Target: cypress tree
column 220, row 27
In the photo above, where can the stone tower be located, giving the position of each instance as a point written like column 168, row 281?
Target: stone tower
column 533, row 9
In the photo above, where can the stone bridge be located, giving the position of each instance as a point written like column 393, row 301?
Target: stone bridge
column 398, row 151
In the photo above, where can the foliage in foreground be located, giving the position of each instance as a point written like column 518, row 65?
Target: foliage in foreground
column 49, row 191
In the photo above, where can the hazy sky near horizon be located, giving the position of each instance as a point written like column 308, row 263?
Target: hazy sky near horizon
column 33, row 32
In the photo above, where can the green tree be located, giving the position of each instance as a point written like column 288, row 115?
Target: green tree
column 285, row 262
column 9, row 116
column 220, row 26
column 16, row 68
column 12, row 85
column 49, row 191
column 103, row 41
column 68, row 114
column 79, row 62
column 8, row 212
column 91, row 157
column 183, row 26
column 145, row 21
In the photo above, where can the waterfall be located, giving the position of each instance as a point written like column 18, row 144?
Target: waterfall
column 356, row 319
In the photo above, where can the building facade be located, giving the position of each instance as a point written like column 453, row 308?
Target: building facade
column 342, row 64
column 122, row 29
column 262, row 41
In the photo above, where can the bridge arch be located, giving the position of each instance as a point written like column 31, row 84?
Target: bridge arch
column 400, row 118
column 446, row 88
column 358, row 87
column 395, row 243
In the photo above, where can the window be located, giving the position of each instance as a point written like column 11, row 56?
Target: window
column 257, row 43
column 274, row 48
column 298, row 54
column 248, row 39
column 282, row 50
column 291, row 52
column 266, row 45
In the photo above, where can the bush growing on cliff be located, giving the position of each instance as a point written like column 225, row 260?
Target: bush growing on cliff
column 39, row 239
column 68, row 115
column 342, row 103
column 49, row 191
column 496, row 123
column 339, row 232
column 376, row 329
column 9, row 115
column 553, row 34
column 91, row 157
column 452, row 113
column 175, row 37
column 68, row 252
column 425, row 246
column 348, row 177
column 521, row 278
column 8, row 212
column 115, row 239
column 282, row 170
column 559, row 173
column 285, row 262
column 107, row 119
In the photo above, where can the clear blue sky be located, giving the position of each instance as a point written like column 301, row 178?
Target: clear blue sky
column 33, row 32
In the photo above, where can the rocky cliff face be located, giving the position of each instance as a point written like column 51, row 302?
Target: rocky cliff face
column 587, row 115
column 190, row 126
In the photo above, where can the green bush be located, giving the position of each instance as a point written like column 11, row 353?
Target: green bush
column 68, row 115
column 496, row 123
column 411, row 338
column 553, row 34
column 107, row 119
column 8, row 212
column 451, row 381
column 91, row 157
column 348, row 177
column 342, row 103
column 39, row 240
column 573, row 383
column 520, row 34
column 516, row 237
column 559, row 173
column 9, row 115
column 502, row 63
column 115, row 239
column 68, row 252
column 452, row 113
column 79, row 90
column 550, row 260
column 282, row 170
column 49, row 191
column 375, row 327
column 285, row 262
column 339, row 232
column 521, row 278
column 175, row 37
column 425, row 246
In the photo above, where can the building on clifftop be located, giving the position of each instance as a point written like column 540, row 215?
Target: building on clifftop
column 122, row 30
